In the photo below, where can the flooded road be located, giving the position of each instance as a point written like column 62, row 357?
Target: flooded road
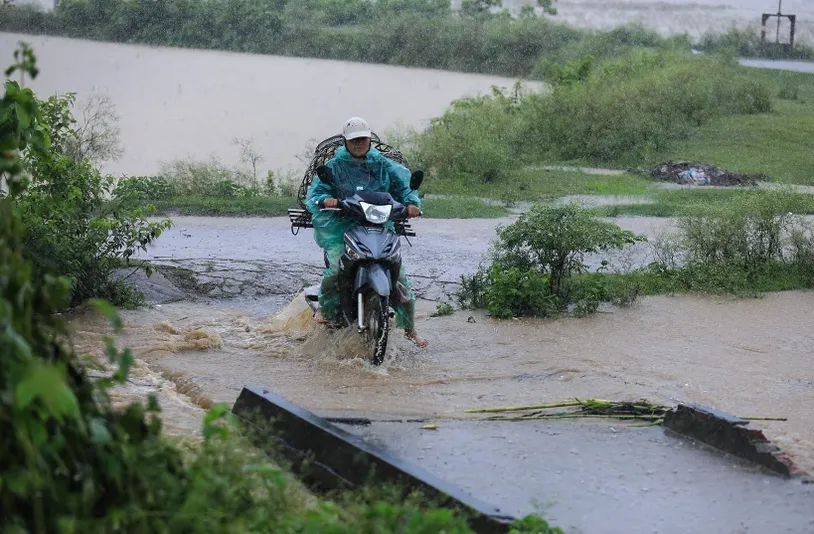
column 602, row 478
column 750, row 357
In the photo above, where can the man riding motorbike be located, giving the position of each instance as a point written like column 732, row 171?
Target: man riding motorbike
column 358, row 166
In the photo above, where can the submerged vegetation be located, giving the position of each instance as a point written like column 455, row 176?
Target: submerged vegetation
column 745, row 245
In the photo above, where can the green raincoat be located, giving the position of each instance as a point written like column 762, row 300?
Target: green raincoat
column 374, row 173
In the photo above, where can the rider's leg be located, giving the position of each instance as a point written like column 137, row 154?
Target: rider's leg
column 405, row 313
column 328, row 289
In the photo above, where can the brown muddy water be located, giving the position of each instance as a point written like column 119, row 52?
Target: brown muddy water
column 750, row 357
column 203, row 100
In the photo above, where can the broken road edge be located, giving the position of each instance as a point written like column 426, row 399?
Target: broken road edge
column 732, row 435
column 327, row 458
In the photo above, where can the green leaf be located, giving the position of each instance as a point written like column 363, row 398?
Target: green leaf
column 109, row 311
column 23, row 117
column 152, row 403
column 18, row 482
column 126, row 361
column 99, row 433
column 211, row 427
column 37, row 432
column 14, row 343
column 8, row 142
column 47, row 383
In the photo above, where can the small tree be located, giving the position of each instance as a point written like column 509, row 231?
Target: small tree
column 479, row 7
column 97, row 132
column 548, row 6
column 536, row 259
column 249, row 154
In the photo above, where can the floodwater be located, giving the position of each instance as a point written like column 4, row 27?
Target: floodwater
column 595, row 477
column 750, row 357
column 200, row 101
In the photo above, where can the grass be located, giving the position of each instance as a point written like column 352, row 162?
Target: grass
column 679, row 203
column 776, row 277
column 437, row 208
column 779, row 144
column 224, row 206
column 533, row 184
column 460, row 207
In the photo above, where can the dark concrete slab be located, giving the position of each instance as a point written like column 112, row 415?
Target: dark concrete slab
column 603, row 477
column 327, row 457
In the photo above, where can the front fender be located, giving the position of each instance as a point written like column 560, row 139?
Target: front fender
column 376, row 277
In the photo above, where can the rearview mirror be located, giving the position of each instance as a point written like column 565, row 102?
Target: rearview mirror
column 326, row 176
column 416, row 179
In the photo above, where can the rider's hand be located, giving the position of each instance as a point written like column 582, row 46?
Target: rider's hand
column 330, row 202
column 413, row 211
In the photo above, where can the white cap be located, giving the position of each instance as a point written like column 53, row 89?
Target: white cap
column 354, row 128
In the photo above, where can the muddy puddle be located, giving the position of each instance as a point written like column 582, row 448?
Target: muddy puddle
column 750, row 357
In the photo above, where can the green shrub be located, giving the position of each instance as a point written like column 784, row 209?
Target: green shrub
column 472, row 293
column 604, row 45
column 735, row 246
column 519, row 291
column 634, row 107
column 537, row 266
column 621, row 111
column 474, row 139
column 200, row 178
column 72, row 228
column 748, row 43
column 145, row 188
column 443, row 309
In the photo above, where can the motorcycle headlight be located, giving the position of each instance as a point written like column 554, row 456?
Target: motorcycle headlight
column 376, row 214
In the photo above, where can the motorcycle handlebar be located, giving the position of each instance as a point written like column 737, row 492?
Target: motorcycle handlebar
column 340, row 208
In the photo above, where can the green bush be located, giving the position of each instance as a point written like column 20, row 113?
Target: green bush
column 537, row 264
column 634, row 107
column 474, row 139
column 605, row 45
column 72, row 227
column 145, row 188
column 200, row 178
column 622, row 111
column 443, row 309
column 748, row 43
column 736, row 246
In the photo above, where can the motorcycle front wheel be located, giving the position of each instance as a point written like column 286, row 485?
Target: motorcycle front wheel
column 377, row 319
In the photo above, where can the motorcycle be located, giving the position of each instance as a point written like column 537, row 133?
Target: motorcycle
column 369, row 269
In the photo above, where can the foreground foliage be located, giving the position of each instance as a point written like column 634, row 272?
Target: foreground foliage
column 71, row 226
